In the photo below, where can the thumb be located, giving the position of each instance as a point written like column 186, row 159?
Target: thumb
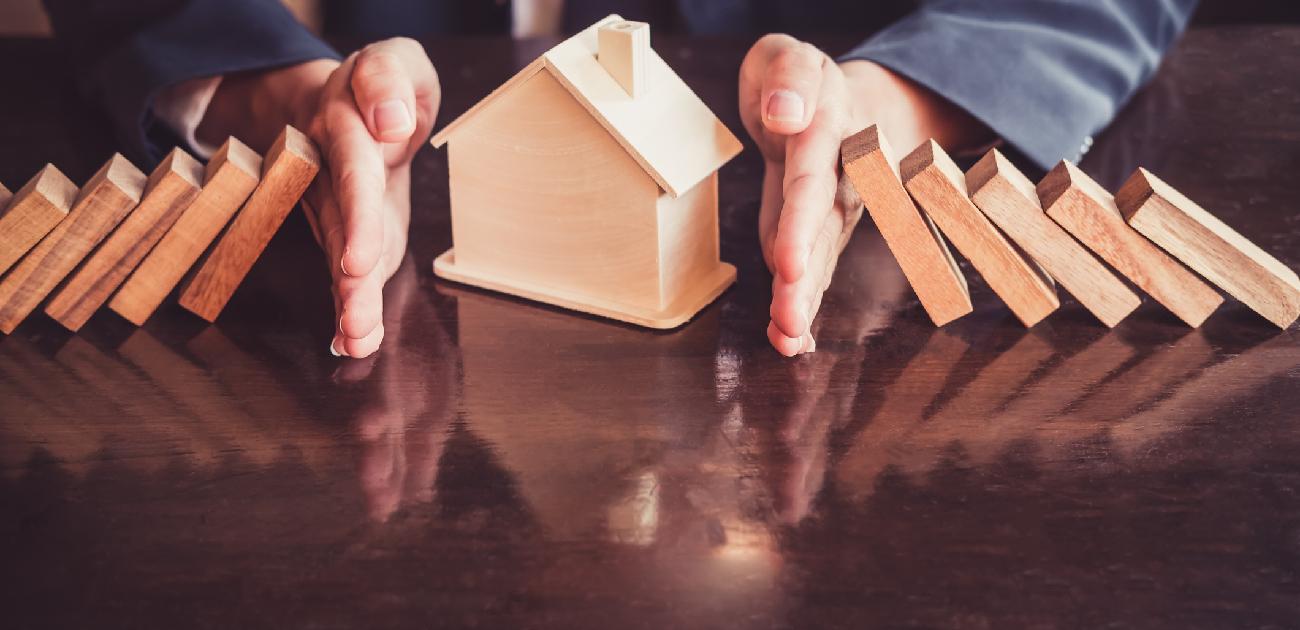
column 791, row 84
column 384, row 93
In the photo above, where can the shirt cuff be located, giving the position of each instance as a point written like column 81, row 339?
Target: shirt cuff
column 182, row 107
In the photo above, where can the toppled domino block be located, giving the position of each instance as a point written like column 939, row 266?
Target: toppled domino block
column 32, row 213
column 289, row 168
column 101, row 204
column 230, row 177
column 939, row 187
column 912, row 238
column 1008, row 198
column 1087, row 211
column 1211, row 248
column 171, row 188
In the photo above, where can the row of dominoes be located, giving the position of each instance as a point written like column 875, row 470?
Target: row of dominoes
column 1054, row 230
column 130, row 238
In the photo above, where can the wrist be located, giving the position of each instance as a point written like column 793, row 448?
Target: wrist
column 255, row 106
column 908, row 112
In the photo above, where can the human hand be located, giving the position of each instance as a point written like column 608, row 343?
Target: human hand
column 798, row 105
column 369, row 115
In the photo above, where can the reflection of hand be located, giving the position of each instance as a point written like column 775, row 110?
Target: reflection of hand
column 402, row 429
column 369, row 115
column 799, row 105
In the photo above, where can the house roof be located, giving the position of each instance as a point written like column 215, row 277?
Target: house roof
column 669, row 131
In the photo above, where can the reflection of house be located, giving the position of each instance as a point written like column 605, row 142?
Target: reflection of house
column 553, row 396
column 589, row 181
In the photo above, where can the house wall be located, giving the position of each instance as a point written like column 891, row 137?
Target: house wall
column 688, row 238
column 542, row 194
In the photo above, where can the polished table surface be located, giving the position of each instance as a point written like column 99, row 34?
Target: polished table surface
column 502, row 464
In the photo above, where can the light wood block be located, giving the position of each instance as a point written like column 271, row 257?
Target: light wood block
column 289, row 168
column 101, row 204
column 1088, row 212
column 31, row 213
column 622, row 49
column 939, row 187
column 1008, row 198
column 172, row 186
column 1211, row 248
column 911, row 236
column 229, row 179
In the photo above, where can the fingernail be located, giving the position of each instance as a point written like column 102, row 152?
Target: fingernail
column 812, row 344
column 343, row 260
column 785, row 106
column 334, row 347
column 392, row 116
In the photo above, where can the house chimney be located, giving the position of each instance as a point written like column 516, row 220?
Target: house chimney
column 624, row 51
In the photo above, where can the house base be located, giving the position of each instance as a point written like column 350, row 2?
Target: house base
column 676, row 314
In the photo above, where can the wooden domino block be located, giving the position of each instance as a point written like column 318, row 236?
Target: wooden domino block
column 911, row 236
column 1008, row 198
column 1211, row 248
column 5, row 196
column 170, row 190
column 288, row 170
column 1087, row 211
column 32, row 213
column 101, row 204
column 940, row 188
column 230, row 177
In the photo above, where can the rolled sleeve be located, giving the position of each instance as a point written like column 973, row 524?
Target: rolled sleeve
column 185, row 40
column 1045, row 76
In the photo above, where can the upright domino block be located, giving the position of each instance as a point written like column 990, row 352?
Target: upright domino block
column 916, row 244
column 940, row 188
column 101, row 204
column 1207, row 245
column 1008, row 198
column 170, row 190
column 1086, row 210
column 32, row 213
column 289, row 168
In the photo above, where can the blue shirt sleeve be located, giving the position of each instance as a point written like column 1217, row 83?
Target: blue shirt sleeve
column 1044, row 75
column 125, row 52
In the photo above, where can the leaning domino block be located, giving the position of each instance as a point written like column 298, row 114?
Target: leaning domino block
column 171, row 188
column 1086, row 210
column 911, row 236
column 231, row 176
column 1207, row 245
column 101, row 204
column 939, row 186
column 288, row 170
column 1008, row 198
column 32, row 213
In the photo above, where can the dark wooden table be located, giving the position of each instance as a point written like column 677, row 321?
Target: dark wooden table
column 502, row 464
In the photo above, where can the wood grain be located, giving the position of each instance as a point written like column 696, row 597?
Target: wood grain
column 939, row 187
column 230, row 177
column 31, row 213
column 1211, row 248
column 101, row 204
column 289, row 168
column 1088, row 212
column 172, row 186
column 1008, row 198
column 913, row 239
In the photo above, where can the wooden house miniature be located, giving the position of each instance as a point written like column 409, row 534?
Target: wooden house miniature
column 589, row 181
